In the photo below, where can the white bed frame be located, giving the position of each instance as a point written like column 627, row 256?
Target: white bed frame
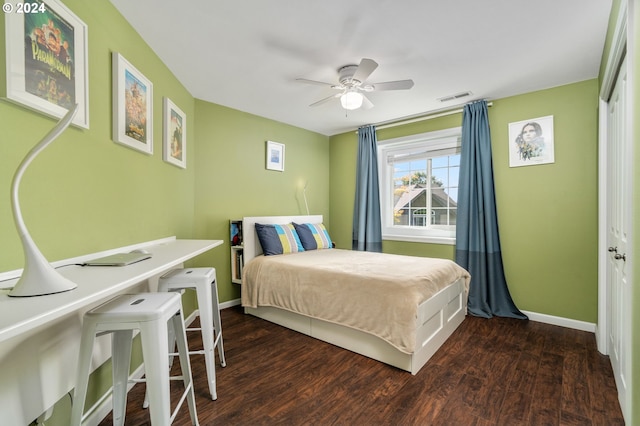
column 437, row 319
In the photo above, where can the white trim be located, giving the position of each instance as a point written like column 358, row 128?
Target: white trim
column 451, row 241
column 562, row 322
column 601, row 329
column 616, row 53
column 230, row 303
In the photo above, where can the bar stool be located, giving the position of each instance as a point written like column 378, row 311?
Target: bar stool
column 149, row 313
column 203, row 280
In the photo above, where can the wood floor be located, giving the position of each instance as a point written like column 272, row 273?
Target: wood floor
column 490, row 372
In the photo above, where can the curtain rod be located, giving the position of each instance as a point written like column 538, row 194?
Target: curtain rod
column 424, row 117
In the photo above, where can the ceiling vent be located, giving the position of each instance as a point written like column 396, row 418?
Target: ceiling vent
column 454, row 97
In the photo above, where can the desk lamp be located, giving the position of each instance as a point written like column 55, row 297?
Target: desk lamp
column 38, row 276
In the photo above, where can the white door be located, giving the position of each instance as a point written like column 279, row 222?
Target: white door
column 618, row 232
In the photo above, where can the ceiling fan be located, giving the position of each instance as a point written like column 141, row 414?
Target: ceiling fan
column 352, row 84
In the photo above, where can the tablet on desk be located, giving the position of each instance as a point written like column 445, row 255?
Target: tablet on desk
column 118, row 259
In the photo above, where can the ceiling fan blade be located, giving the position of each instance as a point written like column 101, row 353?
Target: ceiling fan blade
column 366, row 103
column 317, row 83
column 366, row 67
column 327, row 99
column 393, row 85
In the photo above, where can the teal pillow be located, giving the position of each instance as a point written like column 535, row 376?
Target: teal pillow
column 278, row 239
column 313, row 236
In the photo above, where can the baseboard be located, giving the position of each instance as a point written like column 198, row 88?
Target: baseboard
column 230, row 303
column 563, row 322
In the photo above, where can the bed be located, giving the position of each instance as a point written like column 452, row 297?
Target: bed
column 399, row 315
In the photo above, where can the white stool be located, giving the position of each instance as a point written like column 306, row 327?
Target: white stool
column 149, row 313
column 203, row 280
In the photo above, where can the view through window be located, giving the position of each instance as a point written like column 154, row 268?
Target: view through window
column 419, row 185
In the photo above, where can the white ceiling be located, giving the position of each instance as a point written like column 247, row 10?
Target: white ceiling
column 246, row 54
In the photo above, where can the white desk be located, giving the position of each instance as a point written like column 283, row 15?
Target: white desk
column 39, row 336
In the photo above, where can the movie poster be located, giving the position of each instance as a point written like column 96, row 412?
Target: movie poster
column 49, row 58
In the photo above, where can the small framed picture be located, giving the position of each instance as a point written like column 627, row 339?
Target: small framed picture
column 132, row 106
column 531, row 142
column 47, row 60
column 174, row 135
column 275, row 156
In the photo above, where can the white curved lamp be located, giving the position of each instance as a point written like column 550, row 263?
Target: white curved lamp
column 38, row 276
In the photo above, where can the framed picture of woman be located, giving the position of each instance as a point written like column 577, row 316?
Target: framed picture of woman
column 531, row 142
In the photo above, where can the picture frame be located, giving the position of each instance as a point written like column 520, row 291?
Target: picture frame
column 49, row 74
column 531, row 142
column 132, row 106
column 174, row 134
column 275, row 156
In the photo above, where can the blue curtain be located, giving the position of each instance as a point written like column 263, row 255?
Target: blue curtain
column 477, row 239
column 367, row 228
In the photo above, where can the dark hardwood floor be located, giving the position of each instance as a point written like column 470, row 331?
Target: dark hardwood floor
column 490, row 372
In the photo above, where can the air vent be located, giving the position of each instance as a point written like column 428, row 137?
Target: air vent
column 454, row 97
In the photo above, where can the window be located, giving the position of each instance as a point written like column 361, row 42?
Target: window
column 419, row 186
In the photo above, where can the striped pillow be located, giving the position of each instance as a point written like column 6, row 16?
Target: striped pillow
column 278, row 239
column 313, row 236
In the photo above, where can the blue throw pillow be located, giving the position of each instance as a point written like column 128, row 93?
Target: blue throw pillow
column 278, row 239
column 313, row 236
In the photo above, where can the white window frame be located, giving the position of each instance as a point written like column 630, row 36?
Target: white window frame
column 431, row 141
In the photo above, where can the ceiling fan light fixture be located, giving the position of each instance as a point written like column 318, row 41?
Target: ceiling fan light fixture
column 351, row 100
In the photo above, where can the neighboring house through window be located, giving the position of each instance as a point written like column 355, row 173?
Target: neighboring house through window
column 419, row 186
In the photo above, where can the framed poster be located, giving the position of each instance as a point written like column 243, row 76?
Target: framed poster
column 47, row 60
column 132, row 106
column 175, row 135
column 275, row 156
column 531, row 142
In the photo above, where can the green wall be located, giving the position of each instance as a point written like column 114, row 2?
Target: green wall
column 232, row 180
column 547, row 214
column 86, row 193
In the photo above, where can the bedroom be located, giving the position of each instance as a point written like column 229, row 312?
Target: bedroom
column 72, row 207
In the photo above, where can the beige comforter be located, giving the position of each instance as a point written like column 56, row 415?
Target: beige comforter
column 371, row 292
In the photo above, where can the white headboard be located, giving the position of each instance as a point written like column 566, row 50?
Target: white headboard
column 252, row 247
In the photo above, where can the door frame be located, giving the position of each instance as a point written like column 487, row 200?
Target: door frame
column 616, row 56
column 614, row 61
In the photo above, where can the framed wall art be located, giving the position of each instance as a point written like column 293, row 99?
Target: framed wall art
column 275, row 156
column 531, row 142
column 132, row 106
column 175, row 135
column 47, row 60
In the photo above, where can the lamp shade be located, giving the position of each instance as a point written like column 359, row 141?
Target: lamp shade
column 351, row 99
column 38, row 276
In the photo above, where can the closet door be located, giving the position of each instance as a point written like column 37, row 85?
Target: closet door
column 618, row 232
